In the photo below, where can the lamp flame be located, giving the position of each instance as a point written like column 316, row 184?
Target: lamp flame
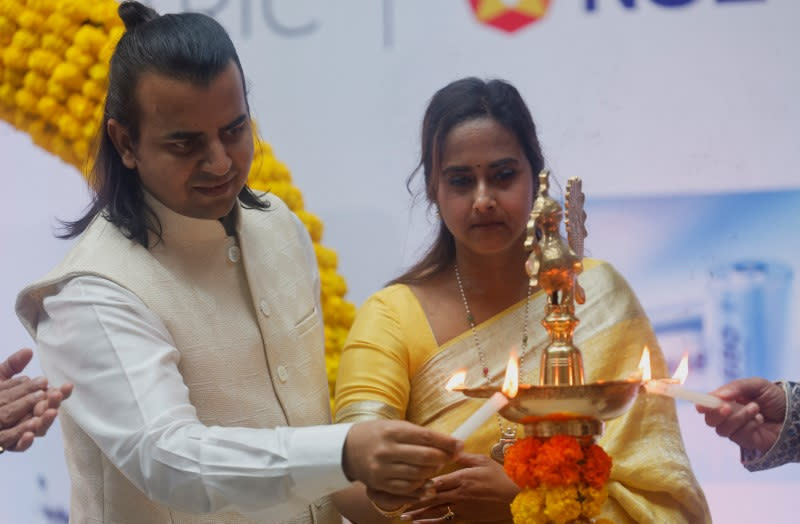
column 511, row 383
column 682, row 373
column 644, row 365
column 456, row 381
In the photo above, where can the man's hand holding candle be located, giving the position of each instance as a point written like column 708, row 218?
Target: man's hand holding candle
column 752, row 415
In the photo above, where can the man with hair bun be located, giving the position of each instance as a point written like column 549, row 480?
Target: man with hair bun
column 187, row 315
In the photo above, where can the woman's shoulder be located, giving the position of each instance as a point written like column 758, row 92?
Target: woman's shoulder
column 398, row 304
column 391, row 297
column 396, row 301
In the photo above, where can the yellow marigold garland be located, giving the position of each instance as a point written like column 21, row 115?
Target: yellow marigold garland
column 562, row 479
column 53, row 80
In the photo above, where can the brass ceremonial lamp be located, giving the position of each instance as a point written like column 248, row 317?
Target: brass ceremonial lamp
column 561, row 404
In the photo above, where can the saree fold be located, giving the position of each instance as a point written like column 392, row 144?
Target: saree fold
column 392, row 367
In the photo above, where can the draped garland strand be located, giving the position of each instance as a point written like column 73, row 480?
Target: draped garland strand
column 53, row 79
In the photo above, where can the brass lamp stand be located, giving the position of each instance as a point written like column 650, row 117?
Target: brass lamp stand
column 561, row 404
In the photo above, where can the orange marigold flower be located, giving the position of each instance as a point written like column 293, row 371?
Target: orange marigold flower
column 518, row 462
column 557, row 463
column 597, row 468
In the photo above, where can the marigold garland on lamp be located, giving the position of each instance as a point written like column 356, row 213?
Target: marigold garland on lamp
column 53, row 80
column 562, row 478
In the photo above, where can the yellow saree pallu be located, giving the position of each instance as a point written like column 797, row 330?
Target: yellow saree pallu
column 392, row 367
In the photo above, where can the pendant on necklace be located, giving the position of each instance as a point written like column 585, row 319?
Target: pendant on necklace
column 498, row 451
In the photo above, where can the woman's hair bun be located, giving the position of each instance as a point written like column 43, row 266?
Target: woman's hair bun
column 134, row 14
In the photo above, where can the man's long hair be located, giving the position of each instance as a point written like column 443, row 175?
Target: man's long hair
column 188, row 46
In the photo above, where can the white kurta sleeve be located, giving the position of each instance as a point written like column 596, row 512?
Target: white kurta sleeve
column 137, row 411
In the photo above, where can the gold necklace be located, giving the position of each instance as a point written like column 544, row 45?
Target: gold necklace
column 509, row 434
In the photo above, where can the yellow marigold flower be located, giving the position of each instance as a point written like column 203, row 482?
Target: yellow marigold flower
column 77, row 11
column 53, row 42
column 56, row 22
column 81, row 149
column 25, row 39
column 48, row 106
column 348, row 314
column 561, row 504
column 332, row 284
column 593, row 500
column 39, row 134
column 26, row 100
column 527, row 506
column 15, row 57
column 7, row 93
column 103, row 13
column 90, row 130
column 330, row 310
column 36, row 127
column 14, row 77
column 98, row 112
column 11, row 9
column 289, row 194
column 116, row 32
column 332, row 367
column 80, row 107
column 90, row 39
column 44, row 61
column 108, row 49
column 326, row 257
column 70, row 128
column 57, row 91
column 21, row 119
column 60, row 146
column 68, row 75
column 312, row 223
column 42, row 6
column 338, row 337
column 7, row 29
column 31, row 20
column 260, row 170
column 75, row 55
column 329, row 336
column 281, row 172
column 99, row 72
column 35, row 83
column 93, row 90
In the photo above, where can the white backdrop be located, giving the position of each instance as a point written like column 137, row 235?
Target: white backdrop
column 640, row 98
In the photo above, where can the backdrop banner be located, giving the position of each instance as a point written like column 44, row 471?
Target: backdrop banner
column 679, row 115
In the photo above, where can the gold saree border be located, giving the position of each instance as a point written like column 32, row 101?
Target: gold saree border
column 366, row 410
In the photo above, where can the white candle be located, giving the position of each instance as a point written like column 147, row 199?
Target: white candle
column 661, row 387
column 495, row 403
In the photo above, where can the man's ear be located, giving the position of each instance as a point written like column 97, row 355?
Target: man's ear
column 122, row 142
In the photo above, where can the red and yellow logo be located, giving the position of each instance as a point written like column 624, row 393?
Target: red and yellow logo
column 509, row 18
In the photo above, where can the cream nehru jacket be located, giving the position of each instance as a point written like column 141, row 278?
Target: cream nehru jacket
column 258, row 297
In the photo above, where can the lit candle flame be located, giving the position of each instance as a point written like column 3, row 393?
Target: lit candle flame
column 511, row 383
column 456, row 381
column 682, row 373
column 644, row 365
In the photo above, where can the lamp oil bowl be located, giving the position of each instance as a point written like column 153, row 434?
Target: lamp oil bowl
column 577, row 410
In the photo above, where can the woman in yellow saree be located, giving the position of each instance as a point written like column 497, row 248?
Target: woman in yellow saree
column 467, row 302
